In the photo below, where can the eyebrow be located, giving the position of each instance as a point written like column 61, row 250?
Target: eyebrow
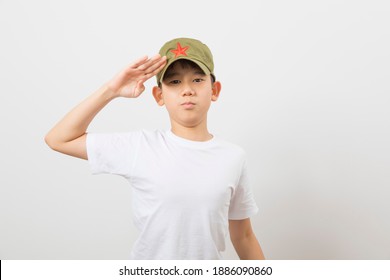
column 170, row 75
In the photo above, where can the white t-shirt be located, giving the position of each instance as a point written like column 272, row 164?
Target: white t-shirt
column 184, row 192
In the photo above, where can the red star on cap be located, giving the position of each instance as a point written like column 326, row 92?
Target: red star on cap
column 180, row 50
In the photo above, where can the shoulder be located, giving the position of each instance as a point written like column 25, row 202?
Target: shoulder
column 232, row 149
column 152, row 137
column 145, row 134
column 151, row 134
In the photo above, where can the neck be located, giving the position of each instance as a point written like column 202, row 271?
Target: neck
column 196, row 133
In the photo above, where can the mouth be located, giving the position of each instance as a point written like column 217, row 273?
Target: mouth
column 188, row 105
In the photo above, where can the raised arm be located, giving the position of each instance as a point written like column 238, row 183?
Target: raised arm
column 68, row 136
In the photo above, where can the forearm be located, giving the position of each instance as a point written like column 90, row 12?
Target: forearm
column 248, row 248
column 76, row 122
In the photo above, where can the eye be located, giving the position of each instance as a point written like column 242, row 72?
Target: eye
column 198, row 80
column 175, row 82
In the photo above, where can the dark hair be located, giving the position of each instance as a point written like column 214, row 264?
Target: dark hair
column 185, row 63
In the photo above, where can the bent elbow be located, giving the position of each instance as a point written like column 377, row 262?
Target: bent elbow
column 50, row 142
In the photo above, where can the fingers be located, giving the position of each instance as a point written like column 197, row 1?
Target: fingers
column 134, row 75
column 153, row 69
column 139, row 62
column 148, row 65
column 145, row 66
column 139, row 88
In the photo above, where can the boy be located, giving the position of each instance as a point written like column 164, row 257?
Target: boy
column 189, row 187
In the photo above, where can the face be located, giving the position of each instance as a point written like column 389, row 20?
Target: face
column 187, row 94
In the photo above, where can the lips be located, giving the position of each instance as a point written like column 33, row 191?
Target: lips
column 188, row 104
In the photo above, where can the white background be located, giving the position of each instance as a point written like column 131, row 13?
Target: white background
column 305, row 93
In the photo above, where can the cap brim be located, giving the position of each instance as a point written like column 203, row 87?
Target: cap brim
column 200, row 64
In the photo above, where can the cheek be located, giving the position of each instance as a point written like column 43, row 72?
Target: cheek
column 170, row 102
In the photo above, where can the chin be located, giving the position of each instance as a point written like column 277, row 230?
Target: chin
column 189, row 122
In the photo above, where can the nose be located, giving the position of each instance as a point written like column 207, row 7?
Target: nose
column 188, row 91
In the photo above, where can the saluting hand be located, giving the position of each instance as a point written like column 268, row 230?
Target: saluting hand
column 130, row 81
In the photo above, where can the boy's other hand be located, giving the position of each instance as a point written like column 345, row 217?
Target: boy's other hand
column 130, row 81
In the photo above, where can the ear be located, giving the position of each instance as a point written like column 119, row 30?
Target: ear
column 158, row 95
column 216, row 90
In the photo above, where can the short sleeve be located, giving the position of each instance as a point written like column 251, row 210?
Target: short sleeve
column 113, row 153
column 242, row 203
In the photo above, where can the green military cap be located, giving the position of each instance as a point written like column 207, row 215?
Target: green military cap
column 190, row 49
